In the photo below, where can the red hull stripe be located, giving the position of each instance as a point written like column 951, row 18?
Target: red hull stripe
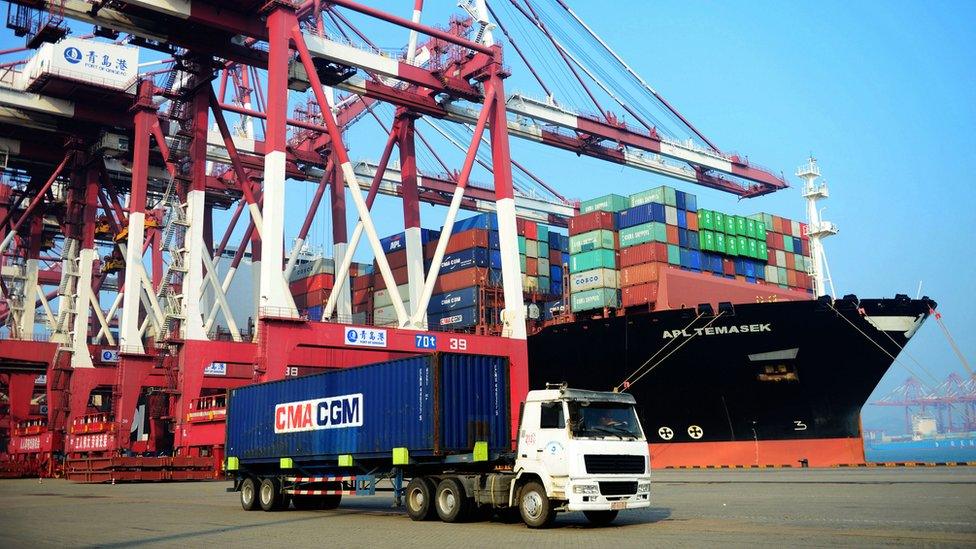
column 826, row 452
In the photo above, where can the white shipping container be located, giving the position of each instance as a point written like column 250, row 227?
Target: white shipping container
column 593, row 279
column 772, row 274
column 544, row 267
column 671, row 215
column 91, row 61
column 386, row 316
column 532, row 248
column 383, row 298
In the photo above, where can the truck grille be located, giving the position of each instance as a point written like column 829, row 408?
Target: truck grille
column 618, row 488
column 614, row 464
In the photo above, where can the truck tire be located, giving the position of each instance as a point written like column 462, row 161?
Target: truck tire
column 307, row 503
column 600, row 518
column 535, row 507
column 450, row 500
column 269, row 495
column 249, row 494
column 330, row 502
column 420, row 499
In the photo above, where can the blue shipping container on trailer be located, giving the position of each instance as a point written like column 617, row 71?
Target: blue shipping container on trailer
column 431, row 405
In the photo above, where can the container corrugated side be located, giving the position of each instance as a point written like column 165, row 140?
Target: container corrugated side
column 396, row 410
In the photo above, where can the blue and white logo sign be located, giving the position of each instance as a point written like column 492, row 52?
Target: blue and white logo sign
column 108, row 355
column 72, row 55
column 365, row 337
column 423, row 341
column 215, row 369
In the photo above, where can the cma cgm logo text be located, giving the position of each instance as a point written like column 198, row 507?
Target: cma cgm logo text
column 323, row 413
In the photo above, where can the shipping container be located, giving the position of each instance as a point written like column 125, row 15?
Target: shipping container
column 638, row 215
column 488, row 221
column 449, row 301
column 639, row 274
column 594, row 259
column 674, row 254
column 719, row 222
column 650, row 195
column 383, row 297
column 592, row 279
column 671, row 215
column 706, row 220
column 474, row 238
column 692, row 218
column 475, row 276
column 453, row 319
column 608, row 203
column 599, row 239
column 639, row 234
column 590, row 222
column 594, row 299
column 643, row 253
column 532, row 248
column 641, row 294
column 398, row 241
column 532, row 266
column 556, row 273
column 431, row 405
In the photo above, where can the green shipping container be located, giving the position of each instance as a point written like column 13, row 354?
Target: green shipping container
column 543, row 235
column 740, row 225
column 718, row 218
column 670, row 197
column 521, row 244
column 650, row 195
column 801, row 263
column 753, row 248
column 594, row 259
column 731, row 248
column 719, row 242
column 706, row 220
column 760, row 231
column 543, row 249
column 595, row 299
column 751, row 228
column 706, row 240
column 730, row 225
column 592, row 240
column 674, row 254
column 788, row 244
column 608, row 203
column 544, row 283
column 639, row 234
column 522, row 262
column 742, row 245
column 762, row 253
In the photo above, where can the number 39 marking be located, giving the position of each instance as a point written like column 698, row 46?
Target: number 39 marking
column 458, row 344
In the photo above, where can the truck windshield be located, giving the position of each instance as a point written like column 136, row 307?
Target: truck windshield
column 601, row 419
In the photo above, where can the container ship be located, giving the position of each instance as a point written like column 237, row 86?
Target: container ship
column 711, row 320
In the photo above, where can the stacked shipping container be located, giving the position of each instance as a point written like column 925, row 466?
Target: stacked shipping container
column 788, row 261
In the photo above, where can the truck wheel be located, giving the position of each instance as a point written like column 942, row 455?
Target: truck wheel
column 330, row 502
column 535, row 507
column 249, row 494
column 420, row 499
column 269, row 495
column 600, row 518
column 307, row 503
column 451, row 502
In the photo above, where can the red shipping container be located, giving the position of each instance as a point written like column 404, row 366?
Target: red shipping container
column 320, row 281
column 790, row 278
column 790, row 261
column 805, row 247
column 639, row 274
column 526, row 228
column 643, row 253
column 692, row 218
column 474, row 276
column 639, row 295
column 555, row 258
column 672, row 232
column 771, row 257
column 399, row 277
column 728, row 266
column 774, row 241
column 803, row 232
column 362, row 297
column 591, row 222
column 473, row 238
column 397, row 259
column 778, row 224
column 362, row 282
column 532, row 266
column 299, row 286
column 300, row 301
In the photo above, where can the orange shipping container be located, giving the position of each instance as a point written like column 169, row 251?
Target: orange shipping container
column 396, row 260
column 639, row 274
column 473, row 238
column 399, row 277
column 474, row 276
column 643, row 253
column 362, row 282
column 672, row 232
column 790, row 277
column 790, row 262
column 692, row 218
column 639, row 295
column 591, row 222
column 532, row 266
column 320, row 281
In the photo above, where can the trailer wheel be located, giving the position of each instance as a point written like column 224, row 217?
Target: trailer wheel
column 600, row 518
column 307, row 503
column 450, row 501
column 535, row 507
column 249, row 494
column 420, row 499
column 270, row 496
column 330, row 502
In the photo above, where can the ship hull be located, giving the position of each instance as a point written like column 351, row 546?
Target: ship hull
column 765, row 384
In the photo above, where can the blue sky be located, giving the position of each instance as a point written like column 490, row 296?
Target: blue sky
column 881, row 93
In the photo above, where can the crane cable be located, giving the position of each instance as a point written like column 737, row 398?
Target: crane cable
column 952, row 342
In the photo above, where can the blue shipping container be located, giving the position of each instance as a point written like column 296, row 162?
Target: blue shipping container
column 465, row 259
column 679, row 200
column 315, row 313
column 399, row 241
column 683, row 219
column 691, row 203
column 456, row 318
column 556, row 273
column 480, row 221
column 493, row 242
column 553, row 308
column 554, row 240
column 683, row 238
column 564, row 243
column 449, row 301
column 638, row 215
column 431, row 405
column 693, row 241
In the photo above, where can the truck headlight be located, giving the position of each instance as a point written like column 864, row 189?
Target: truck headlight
column 589, row 489
column 643, row 488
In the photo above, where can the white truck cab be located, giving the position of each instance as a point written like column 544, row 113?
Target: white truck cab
column 579, row 450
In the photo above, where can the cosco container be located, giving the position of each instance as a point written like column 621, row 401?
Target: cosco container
column 590, row 280
column 592, row 240
column 449, row 301
column 431, row 405
column 594, row 259
column 594, row 299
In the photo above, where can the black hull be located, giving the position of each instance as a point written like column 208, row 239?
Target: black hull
column 788, row 371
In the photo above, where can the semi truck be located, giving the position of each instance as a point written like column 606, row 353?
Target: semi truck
column 435, row 430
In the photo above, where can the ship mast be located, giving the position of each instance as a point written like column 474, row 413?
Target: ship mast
column 817, row 229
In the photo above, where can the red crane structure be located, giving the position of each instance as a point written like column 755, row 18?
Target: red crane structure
column 125, row 189
column 952, row 403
